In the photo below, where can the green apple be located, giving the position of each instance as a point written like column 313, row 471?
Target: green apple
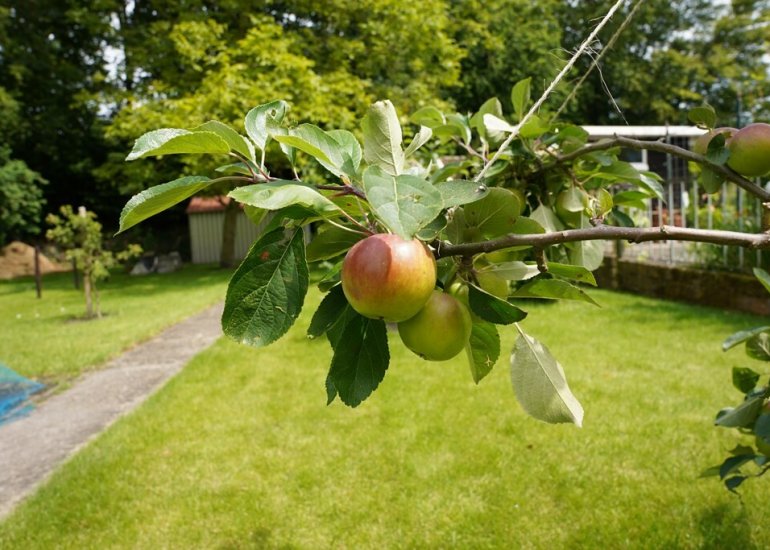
column 701, row 144
column 493, row 283
column 440, row 329
column 387, row 277
column 570, row 205
column 750, row 150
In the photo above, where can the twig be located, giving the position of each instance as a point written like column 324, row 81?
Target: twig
column 759, row 241
column 343, row 189
column 661, row 147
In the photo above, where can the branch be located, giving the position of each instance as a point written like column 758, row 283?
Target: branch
column 609, row 232
column 669, row 149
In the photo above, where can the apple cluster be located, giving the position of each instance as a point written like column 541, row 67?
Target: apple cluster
column 749, row 148
column 389, row 278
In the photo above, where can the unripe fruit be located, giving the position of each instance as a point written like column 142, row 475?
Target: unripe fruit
column 386, row 277
column 701, row 145
column 493, row 283
column 750, row 150
column 440, row 329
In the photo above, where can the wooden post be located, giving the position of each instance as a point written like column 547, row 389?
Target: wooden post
column 38, row 276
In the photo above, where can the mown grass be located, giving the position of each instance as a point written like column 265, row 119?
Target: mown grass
column 48, row 338
column 240, row 451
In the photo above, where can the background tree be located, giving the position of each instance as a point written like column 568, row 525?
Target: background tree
column 80, row 235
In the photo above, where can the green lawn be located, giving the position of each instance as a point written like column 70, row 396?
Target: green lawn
column 240, row 451
column 47, row 338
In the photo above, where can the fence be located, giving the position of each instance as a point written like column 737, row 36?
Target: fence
column 686, row 205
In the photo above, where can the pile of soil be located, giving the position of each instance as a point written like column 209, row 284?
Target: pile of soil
column 18, row 259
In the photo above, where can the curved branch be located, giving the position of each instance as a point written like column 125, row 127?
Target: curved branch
column 609, row 232
column 661, row 147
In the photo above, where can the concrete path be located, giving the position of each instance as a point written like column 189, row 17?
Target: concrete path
column 33, row 446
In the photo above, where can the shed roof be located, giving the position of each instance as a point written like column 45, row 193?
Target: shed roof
column 200, row 205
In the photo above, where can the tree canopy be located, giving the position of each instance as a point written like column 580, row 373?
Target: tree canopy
column 88, row 77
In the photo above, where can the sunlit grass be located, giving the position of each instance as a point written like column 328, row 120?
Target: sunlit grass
column 240, row 450
column 48, row 339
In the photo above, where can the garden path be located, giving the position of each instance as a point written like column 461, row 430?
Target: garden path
column 32, row 447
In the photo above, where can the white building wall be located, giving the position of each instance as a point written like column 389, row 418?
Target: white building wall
column 206, row 236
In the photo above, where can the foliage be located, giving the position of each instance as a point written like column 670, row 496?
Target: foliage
column 80, row 235
column 752, row 416
column 21, row 199
column 383, row 186
column 687, row 51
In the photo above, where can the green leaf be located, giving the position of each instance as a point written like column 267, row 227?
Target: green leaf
column 266, row 292
column 495, row 214
column 703, row 117
column 405, row 204
column 762, row 427
column 259, row 118
column 520, row 97
column 553, row 289
column 351, row 150
column 496, row 125
column 514, row 271
column 534, row 127
column 428, row 116
column 482, row 349
column 734, row 482
column 420, row 138
column 744, row 415
column 575, row 272
column 331, row 309
column 330, row 243
column 279, row 194
column 173, row 141
column 603, row 202
column 716, row 151
column 758, row 346
column 318, row 144
column 742, row 336
column 433, row 229
column 459, row 192
column 540, row 384
column 239, row 168
column 710, row 181
column 489, row 107
column 763, row 277
column 733, row 464
column 493, row 309
column 382, row 138
column 360, row 359
column 745, row 379
column 234, row 140
column 160, row 197
column 547, row 219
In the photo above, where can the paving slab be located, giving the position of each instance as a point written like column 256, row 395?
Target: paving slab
column 32, row 447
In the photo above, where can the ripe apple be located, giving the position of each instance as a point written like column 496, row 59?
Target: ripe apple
column 440, row 329
column 750, row 150
column 387, row 277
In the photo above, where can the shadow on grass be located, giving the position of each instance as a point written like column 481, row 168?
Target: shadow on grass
column 723, row 527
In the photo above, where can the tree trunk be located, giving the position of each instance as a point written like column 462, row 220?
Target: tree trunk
column 87, row 292
column 227, row 257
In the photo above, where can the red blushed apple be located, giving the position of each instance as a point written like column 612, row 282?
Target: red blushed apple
column 440, row 329
column 387, row 277
column 750, row 150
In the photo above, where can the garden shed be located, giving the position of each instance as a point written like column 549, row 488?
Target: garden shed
column 206, row 218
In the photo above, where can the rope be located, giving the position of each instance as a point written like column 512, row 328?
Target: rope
column 550, row 89
column 598, row 58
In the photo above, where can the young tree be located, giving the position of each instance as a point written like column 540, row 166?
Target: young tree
column 80, row 235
